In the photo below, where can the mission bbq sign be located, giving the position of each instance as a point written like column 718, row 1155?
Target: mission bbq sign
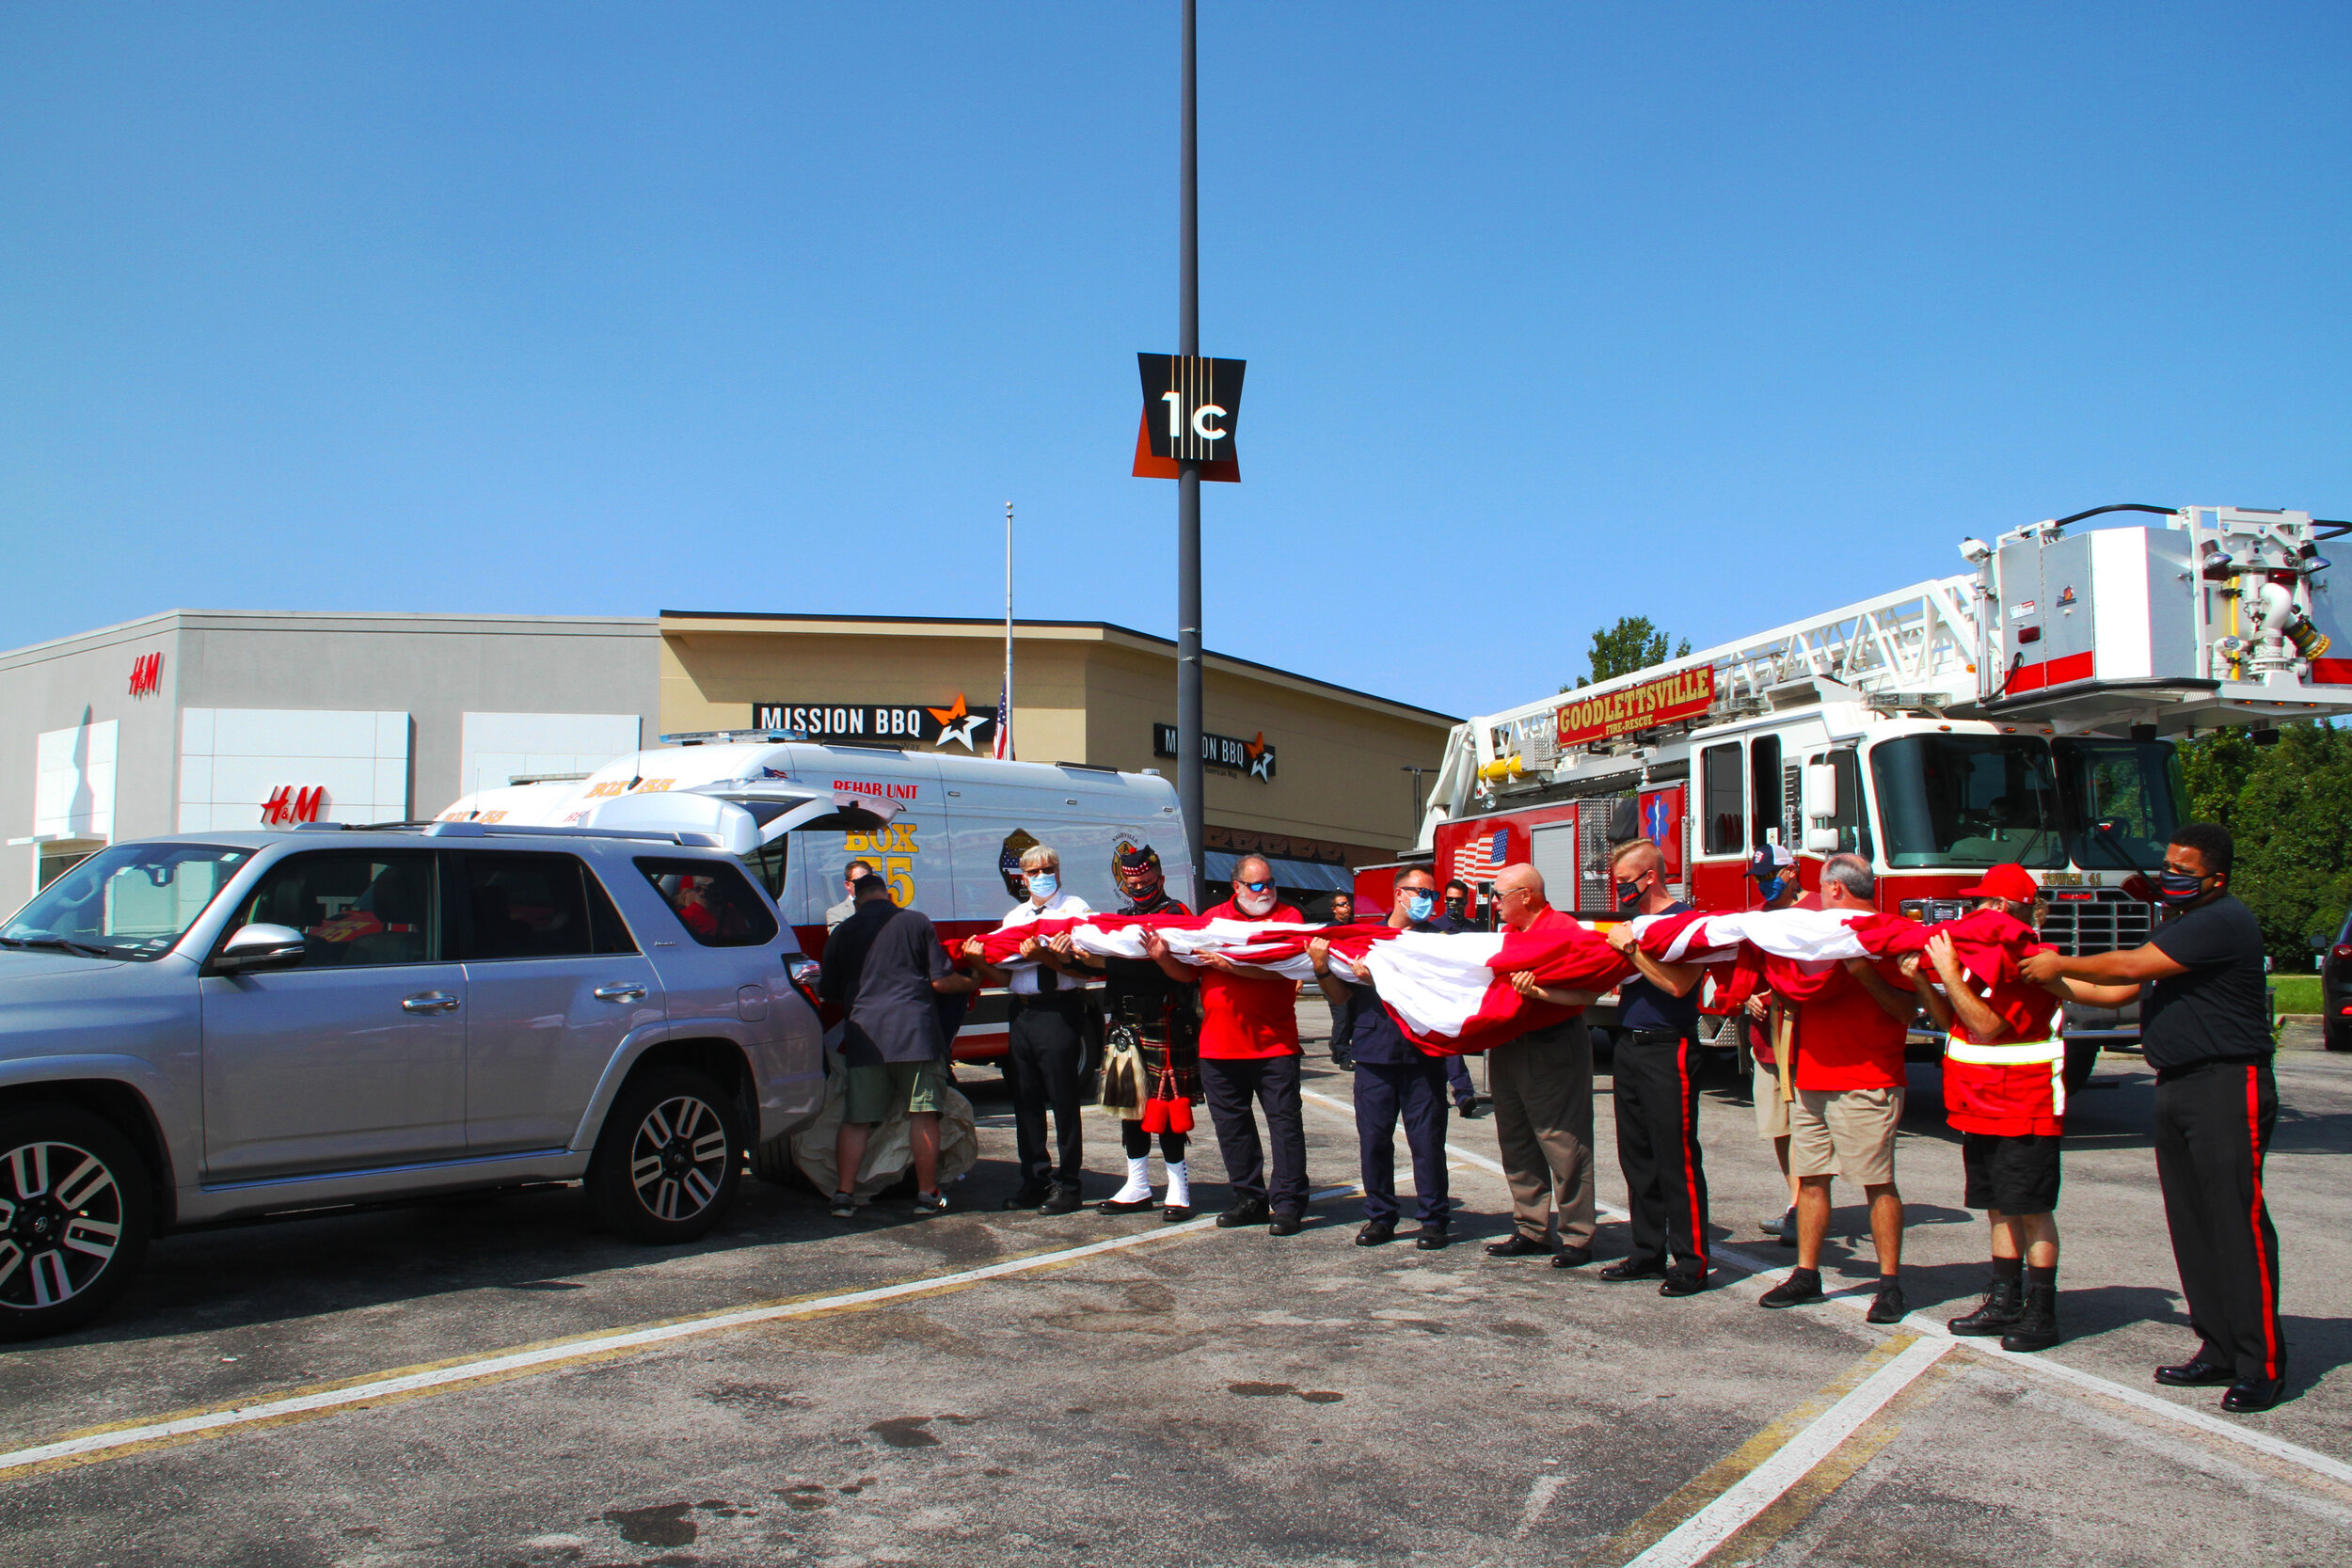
column 916, row 723
column 1683, row 694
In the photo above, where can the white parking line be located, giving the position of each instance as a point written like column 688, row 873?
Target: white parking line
column 2037, row 1362
column 1751, row 1494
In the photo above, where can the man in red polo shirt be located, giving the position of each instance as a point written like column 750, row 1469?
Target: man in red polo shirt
column 1249, row 1050
column 1849, row 1079
column 2005, row 1094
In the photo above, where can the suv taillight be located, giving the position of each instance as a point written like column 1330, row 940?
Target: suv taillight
column 802, row 972
column 2344, row 951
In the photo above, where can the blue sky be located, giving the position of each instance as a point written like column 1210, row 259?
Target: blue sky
column 1718, row 314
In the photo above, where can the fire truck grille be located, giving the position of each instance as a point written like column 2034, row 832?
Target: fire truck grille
column 2095, row 922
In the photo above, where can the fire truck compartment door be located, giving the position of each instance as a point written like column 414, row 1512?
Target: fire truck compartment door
column 1552, row 850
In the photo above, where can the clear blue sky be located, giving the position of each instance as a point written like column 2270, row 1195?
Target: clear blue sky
column 1714, row 313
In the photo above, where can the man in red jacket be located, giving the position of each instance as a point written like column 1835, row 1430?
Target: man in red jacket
column 1249, row 1050
column 2005, row 1094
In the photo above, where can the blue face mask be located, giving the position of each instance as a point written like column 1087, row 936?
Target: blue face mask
column 1772, row 889
column 1044, row 884
column 2178, row 887
column 1421, row 907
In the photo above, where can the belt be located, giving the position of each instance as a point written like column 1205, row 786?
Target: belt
column 2167, row 1074
column 2018, row 1053
column 1654, row 1037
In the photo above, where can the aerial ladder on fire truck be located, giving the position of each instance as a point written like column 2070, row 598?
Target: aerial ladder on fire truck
column 2016, row 712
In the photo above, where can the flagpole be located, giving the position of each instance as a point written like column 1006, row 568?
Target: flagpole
column 1190, row 779
column 1004, row 703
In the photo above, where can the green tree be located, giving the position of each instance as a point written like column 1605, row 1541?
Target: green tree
column 2289, row 806
column 1632, row 644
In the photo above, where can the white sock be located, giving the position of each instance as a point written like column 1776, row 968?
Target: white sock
column 1138, row 1185
column 1178, row 1186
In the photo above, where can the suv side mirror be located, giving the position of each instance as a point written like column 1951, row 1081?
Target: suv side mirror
column 260, row 946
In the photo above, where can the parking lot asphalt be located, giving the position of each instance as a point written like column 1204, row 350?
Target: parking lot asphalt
column 495, row 1381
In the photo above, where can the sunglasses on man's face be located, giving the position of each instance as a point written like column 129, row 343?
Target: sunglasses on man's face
column 1255, row 887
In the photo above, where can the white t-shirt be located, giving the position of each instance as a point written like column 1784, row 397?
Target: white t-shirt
column 1063, row 906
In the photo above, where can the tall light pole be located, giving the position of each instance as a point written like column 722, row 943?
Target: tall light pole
column 1190, row 779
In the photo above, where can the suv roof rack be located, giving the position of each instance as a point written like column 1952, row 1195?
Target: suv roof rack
column 511, row 829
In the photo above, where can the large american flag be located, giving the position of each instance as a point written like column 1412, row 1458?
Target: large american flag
column 1477, row 860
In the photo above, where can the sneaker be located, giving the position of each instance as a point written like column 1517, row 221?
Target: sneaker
column 1783, row 1230
column 1888, row 1306
column 1803, row 1285
column 930, row 1203
column 845, row 1206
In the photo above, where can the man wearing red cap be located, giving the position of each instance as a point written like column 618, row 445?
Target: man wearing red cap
column 2005, row 1094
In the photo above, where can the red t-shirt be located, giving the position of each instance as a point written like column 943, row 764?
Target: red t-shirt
column 1244, row 1016
column 1846, row 1040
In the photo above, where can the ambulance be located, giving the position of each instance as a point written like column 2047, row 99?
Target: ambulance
column 945, row 831
column 2019, row 713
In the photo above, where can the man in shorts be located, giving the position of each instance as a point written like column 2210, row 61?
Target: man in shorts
column 1848, row 1078
column 886, row 967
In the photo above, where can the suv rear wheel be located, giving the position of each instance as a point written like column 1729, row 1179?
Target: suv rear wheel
column 74, row 1218
column 669, row 1157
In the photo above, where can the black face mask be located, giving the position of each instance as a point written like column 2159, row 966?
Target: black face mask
column 1453, row 906
column 1628, row 893
column 2177, row 888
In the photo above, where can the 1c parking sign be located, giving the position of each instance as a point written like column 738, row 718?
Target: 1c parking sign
column 1190, row 409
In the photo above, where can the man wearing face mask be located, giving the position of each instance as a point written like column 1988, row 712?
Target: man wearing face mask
column 1393, row 1077
column 1457, row 902
column 1249, row 1050
column 1656, row 1084
column 1046, row 1053
column 1170, row 1037
column 2205, row 1028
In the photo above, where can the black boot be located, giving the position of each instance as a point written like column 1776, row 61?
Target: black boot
column 2003, row 1304
column 2037, row 1326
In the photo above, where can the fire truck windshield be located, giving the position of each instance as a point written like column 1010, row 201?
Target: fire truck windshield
column 2121, row 800
column 1967, row 799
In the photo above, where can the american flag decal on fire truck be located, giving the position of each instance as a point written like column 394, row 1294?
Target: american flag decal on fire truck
column 1477, row 860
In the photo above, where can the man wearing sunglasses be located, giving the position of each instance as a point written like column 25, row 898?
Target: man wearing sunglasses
column 1542, row 1084
column 1249, row 1050
column 2205, row 1029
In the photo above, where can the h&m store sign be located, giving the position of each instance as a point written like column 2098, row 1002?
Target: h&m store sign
column 1253, row 757
column 915, row 722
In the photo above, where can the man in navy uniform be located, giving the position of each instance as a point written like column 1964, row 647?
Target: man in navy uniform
column 1393, row 1078
column 1656, row 1079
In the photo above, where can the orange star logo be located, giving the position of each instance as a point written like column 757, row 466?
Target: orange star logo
column 1259, row 757
column 959, row 723
column 949, row 715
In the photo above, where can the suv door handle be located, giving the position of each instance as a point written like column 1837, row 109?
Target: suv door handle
column 620, row 993
column 429, row 1002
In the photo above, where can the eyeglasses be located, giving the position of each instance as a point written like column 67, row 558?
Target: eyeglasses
column 1255, row 887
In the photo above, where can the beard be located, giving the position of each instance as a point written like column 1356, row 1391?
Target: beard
column 1253, row 903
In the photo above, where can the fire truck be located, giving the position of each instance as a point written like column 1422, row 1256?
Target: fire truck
column 2019, row 712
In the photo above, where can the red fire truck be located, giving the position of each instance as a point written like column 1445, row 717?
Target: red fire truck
column 2020, row 713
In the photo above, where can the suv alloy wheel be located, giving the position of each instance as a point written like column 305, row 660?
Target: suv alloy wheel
column 669, row 1157
column 74, row 1218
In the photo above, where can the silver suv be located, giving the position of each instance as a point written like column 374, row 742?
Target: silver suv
column 219, row 1025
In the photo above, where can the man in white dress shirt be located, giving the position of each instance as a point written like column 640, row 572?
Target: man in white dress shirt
column 1048, row 1049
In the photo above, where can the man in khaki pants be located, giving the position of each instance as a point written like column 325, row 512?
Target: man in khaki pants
column 1542, row 1085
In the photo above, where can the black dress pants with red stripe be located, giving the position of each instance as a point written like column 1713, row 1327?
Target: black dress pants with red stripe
column 2213, row 1127
column 1656, row 1079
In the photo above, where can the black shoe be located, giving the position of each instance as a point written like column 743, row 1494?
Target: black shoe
column 2249, row 1394
column 1626, row 1270
column 1249, row 1210
column 1888, row 1306
column 1433, row 1238
column 1469, row 1112
column 1682, row 1282
column 2037, row 1326
column 1571, row 1257
column 1515, row 1245
column 1175, row 1213
column 1345, row 1064
column 1376, row 1234
column 2196, row 1372
column 1028, row 1198
column 1286, row 1222
column 1803, row 1285
column 1112, row 1206
column 2003, row 1304
column 1064, row 1202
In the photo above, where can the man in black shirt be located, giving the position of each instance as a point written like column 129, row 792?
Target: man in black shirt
column 1454, row 916
column 1393, row 1077
column 2204, row 1028
column 1166, row 1023
column 1655, row 1081
column 884, row 965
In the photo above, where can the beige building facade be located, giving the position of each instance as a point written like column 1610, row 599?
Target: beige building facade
column 1314, row 775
